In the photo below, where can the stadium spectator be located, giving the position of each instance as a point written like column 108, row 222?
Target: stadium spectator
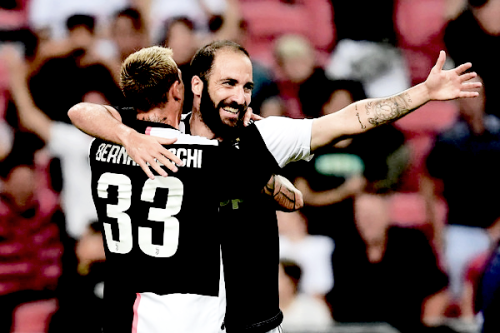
column 479, row 25
column 385, row 274
column 80, row 293
column 199, row 12
column 367, row 52
column 31, row 234
column 51, row 77
column 48, row 17
column 129, row 33
column 301, row 81
column 267, row 20
column 302, row 312
column 312, row 253
column 473, row 142
column 65, row 142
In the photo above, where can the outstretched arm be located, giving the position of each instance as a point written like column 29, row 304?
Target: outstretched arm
column 364, row 115
column 105, row 122
column 284, row 193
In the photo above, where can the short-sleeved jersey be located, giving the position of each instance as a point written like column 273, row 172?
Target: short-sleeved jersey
column 162, row 236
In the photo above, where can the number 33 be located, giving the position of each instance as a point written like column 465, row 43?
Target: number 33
column 161, row 215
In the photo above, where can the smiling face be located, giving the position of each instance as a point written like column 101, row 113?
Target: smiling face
column 228, row 92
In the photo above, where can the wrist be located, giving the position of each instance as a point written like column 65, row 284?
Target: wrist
column 123, row 134
column 425, row 91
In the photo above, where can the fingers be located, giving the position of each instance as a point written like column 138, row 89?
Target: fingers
column 169, row 164
column 146, row 170
column 462, row 68
column 441, row 60
column 467, row 76
column 248, row 116
column 158, row 169
column 471, row 85
column 256, row 117
column 468, row 94
column 167, row 153
column 171, row 157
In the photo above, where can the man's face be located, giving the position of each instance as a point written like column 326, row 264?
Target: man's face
column 227, row 94
column 126, row 37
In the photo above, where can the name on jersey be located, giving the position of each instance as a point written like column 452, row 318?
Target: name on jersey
column 116, row 154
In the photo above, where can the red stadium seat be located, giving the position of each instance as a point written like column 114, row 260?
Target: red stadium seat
column 420, row 26
column 269, row 19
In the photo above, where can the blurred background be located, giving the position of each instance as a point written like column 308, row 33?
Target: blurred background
column 398, row 224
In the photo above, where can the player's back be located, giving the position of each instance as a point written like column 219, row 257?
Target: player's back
column 162, row 236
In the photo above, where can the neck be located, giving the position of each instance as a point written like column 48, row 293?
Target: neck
column 160, row 115
column 198, row 127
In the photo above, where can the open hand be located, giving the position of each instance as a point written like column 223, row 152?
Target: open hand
column 450, row 84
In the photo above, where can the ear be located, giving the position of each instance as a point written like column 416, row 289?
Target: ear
column 196, row 85
column 177, row 90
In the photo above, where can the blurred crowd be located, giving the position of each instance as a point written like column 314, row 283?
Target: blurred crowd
column 398, row 223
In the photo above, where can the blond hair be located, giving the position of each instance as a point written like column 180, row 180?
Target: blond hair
column 146, row 77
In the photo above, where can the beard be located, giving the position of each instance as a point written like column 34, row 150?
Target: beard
column 210, row 114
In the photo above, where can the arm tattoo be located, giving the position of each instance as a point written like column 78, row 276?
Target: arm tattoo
column 368, row 106
column 390, row 109
column 359, row 119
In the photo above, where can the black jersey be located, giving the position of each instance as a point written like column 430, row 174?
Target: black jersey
column 250, row 239
column 250, row 255
column 162, row 236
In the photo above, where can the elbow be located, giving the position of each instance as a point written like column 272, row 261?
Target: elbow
column 75, row 112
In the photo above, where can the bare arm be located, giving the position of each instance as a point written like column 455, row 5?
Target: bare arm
column 364, row 115
column 284, row 193
column 31, row 118
column 105, row 122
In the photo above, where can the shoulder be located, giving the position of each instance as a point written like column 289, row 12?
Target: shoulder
column 182, row 138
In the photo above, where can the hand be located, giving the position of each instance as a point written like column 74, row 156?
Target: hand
column 148, row 151
column 249, row 115
column 450, row 84
column 287, row 196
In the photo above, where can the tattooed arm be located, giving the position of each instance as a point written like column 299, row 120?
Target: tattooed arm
column 284, row 193
column 364, row 115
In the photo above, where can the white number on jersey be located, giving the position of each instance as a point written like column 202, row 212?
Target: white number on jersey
column 162, row 215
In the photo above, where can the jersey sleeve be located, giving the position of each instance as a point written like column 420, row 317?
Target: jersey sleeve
column 287, row 139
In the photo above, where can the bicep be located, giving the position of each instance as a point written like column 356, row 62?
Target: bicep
column 113, row 112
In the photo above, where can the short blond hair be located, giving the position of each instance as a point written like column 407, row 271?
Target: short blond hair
column 147, row 75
